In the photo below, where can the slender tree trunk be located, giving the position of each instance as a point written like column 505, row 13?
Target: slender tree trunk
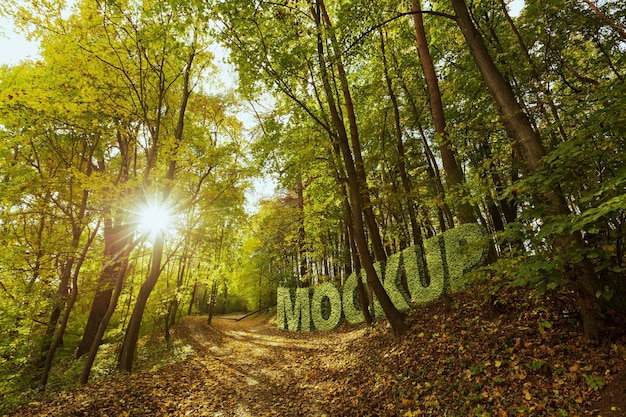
column 444, row 215
column 48, row 345
column 363, row 298
column 212, row 299
column 356, row 185
column 528, row 146
column 368, row 212
column 170, row 317
column 302, row 251
column 406, row 183
column 129, row 344
column 68, row 309
column 127, row 352
column 193, row 297
column 454, row 175
column 116, row 237
column 104, row 323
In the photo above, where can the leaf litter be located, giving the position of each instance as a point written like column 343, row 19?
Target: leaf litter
column 468, row 359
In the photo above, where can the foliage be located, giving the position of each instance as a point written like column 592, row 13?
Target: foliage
column 403, row 280
column 294, row 309
column 326, row 307
column 350, row 301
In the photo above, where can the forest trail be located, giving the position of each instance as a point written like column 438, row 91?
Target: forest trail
column 455, row 362
column 240, row 368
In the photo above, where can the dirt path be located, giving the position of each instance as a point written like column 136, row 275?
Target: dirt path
column 453, row 363
column 245, row 368
column 262, row 371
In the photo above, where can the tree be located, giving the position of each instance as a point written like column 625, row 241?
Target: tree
column 530, row 151
column 452, row 169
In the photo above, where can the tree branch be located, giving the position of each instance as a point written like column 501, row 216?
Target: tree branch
column 391, row 19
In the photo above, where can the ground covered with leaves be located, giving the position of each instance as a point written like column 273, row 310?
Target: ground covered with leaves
column 481, row 357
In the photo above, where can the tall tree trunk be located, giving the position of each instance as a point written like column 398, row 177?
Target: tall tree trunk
column 193, row 297
column 116, row 237
column 356, row 183
column 58, row 339
column 104, row 323
column 406, row 183
column 368, row 212
column 444, row 214
column 48, row 346
column 363, row 298
column 212, row 299
column 302, row 251
column 454, row 175
column 530, row 151
column 127, row 352
column 170, row 317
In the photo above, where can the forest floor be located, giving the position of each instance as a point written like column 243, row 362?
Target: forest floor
column 475, row 357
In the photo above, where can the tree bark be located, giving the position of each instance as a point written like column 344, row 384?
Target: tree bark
column 302, row 250
column 127, row 352
column 212, row 300
column 530, row 151
column 104, row 323
column 68, row 309
column 363, row 297
column 115, row 239
column 444, row 215
column 406, row 183
column 368, row 212
column 452, row 169
column 356, row 183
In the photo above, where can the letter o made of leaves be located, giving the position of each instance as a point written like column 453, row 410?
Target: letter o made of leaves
column 322, row 318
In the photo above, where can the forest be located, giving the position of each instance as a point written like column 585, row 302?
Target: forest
column 132, row 146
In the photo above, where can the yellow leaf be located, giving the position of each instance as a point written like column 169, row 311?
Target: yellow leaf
column 498, row 364
column 527, row 395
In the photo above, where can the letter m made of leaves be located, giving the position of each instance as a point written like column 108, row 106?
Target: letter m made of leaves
column 294, row 309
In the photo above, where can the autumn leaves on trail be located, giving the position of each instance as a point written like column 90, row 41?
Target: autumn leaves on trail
column 450, row 363
column 239, row 369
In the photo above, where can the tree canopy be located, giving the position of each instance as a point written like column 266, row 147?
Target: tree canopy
column 383, row 123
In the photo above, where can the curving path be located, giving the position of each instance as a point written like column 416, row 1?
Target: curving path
column 245, row 368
